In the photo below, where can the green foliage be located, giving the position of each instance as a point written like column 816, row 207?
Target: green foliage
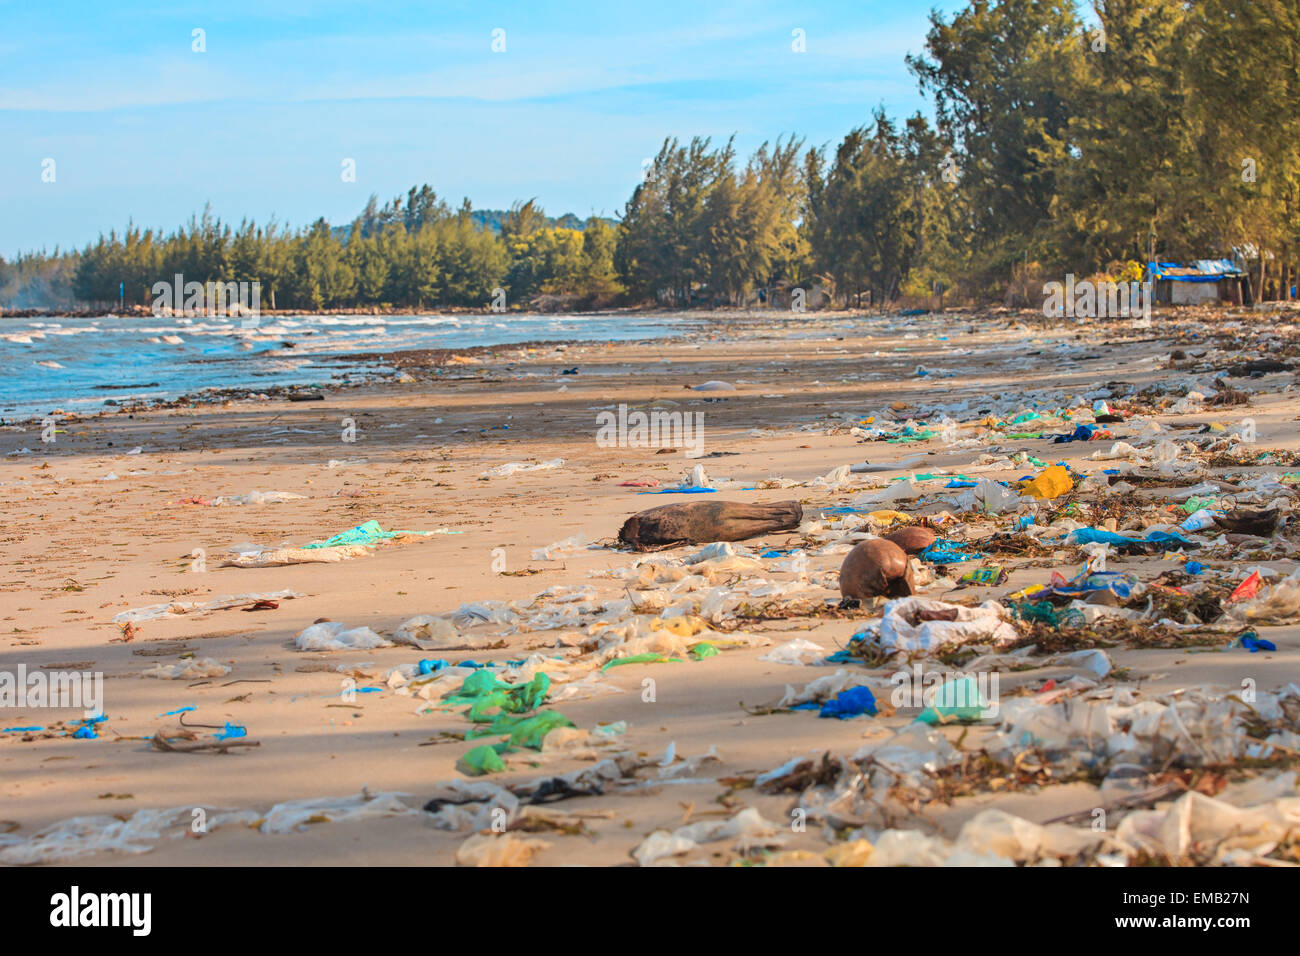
column 698, row 228
column 411, row 253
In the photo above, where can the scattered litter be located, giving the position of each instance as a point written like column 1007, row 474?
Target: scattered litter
column 336, row 636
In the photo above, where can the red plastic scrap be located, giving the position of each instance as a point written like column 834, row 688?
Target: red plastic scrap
column 1246, row 589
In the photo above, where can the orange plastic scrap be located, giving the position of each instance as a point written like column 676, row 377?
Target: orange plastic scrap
column 1052, row 483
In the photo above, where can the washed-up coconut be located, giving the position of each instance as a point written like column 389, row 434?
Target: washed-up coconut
column 876, row 568
column 913, row 539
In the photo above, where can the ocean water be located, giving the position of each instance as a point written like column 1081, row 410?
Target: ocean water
column 75, row 364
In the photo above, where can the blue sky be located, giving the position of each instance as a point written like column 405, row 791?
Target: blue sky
column 139, row 125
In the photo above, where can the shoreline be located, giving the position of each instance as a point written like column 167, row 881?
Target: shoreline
column 399, row 359
column 415, row 359
column 140, row 311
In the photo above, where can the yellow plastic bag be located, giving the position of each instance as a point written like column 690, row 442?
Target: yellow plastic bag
column 685, row 626
column 1052, row 483
column 887, row 517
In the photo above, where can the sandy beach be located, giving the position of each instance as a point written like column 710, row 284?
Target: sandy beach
column 120, row 512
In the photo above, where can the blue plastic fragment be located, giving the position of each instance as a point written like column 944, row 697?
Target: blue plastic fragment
column 86, row 729
column 853, row 702
column 232, row 730
column 949, row 552
column 1099, row 535
column 1080, row 433
column 1255, row 644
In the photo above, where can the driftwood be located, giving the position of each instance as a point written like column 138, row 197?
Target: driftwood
column 182, row 746
column 1258, row 522
column 703, row 522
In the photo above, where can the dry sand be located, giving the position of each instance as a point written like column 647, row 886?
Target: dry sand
column 80, row 547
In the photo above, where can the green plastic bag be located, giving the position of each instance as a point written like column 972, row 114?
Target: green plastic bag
column 523, row 731
column 367, row 534
column 487, row 695
column 956, row 700
column 482, row 759
column 641, row 659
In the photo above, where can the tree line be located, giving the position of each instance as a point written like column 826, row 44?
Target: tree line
column 1060, row 142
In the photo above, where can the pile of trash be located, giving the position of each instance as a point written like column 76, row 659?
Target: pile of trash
column 1130, row 746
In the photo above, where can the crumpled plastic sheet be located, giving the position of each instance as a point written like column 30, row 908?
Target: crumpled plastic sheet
column 832, row 480
column 1277, row 604
column 1246, row 821
column 257, row 498
column 1168, row 459
column 902, row 630
column 748, row 825
column 156, row 612
column 431, row 632
column 670, row 768
column 570, row 546
column 295, row 815
column 906, row 490
column 1095, row 661
column 82, row 836
column 824, row 688
column 1197, row 822
column 988, row 497
column 1201, row 725
column 139, row 833
column 192, row 669
column 592, row 685
column 799, row 652
column 499, row 849
column 470, row 804
column 484, row 612
column 337, row 636
column 990, row 838
column 916, row 749
column 515, row 467
column 279, row 557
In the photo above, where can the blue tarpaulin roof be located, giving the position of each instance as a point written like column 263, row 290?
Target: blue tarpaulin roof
column 1199, row 270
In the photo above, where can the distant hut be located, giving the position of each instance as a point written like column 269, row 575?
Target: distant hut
column 1198, row 282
